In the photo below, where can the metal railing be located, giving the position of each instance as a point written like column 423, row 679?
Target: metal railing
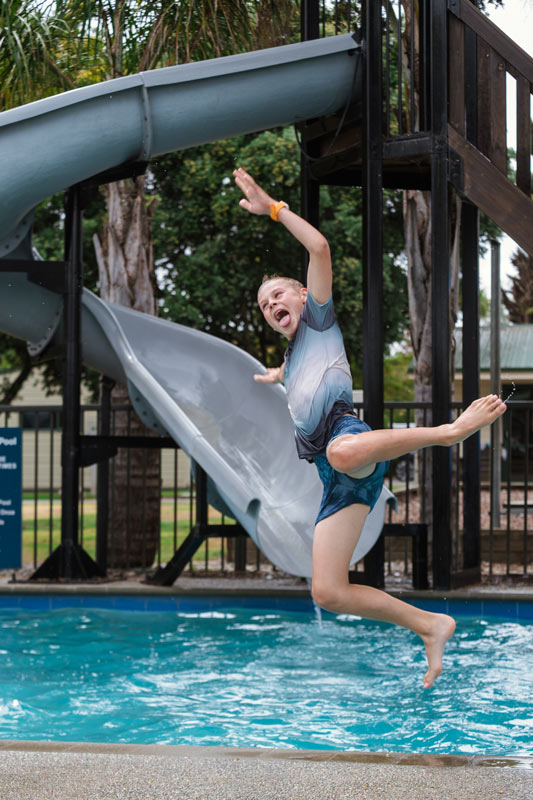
column 337, row 16
column 506, row 542
column 405, row 67
column 176, row 499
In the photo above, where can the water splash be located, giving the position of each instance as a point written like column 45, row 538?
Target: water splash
column 318, row 610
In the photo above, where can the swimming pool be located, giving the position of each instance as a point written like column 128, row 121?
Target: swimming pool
column 250, row 674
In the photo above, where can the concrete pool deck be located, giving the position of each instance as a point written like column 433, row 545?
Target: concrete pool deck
column 51, row 771
column 84, row 771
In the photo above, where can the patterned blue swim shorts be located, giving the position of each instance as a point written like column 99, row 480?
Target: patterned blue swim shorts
column 339, row 489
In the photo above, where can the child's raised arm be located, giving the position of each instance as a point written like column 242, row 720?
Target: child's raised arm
column 257, row 201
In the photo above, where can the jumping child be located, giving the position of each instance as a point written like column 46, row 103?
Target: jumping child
column 350, row 457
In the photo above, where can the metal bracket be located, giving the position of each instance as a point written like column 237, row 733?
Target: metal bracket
column 94, row 449
column 165, row 576
column 456, row 174
column 130, row 169
column 49, row 274
column 16, row 237
column 144, row 410
column 455, row 7
column 144, row 155
column 40, row 351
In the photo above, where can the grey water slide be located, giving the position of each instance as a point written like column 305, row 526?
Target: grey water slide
column 196, row 388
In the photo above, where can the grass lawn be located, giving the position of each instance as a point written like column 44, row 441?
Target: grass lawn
column 41, row 529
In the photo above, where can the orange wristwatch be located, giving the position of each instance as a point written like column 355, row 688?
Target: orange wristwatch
column 275, row 208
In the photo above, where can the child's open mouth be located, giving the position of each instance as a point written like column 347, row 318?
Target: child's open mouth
column 283, row 317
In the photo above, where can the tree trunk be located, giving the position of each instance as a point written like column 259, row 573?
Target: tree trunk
column 417, row 228
column 126, row 273
column 134, row 495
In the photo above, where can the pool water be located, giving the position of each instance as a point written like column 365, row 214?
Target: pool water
column 252, row 678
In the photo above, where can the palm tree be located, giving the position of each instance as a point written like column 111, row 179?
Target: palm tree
column 33, row 61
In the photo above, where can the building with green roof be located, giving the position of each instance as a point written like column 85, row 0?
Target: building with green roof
column 516, row 361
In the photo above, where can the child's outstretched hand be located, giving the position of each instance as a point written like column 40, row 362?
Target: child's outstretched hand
column 255, row 199
column 272, row 375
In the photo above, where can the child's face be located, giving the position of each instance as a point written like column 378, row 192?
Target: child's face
column 282, row 304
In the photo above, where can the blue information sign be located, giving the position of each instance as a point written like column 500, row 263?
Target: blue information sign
column 10, row 498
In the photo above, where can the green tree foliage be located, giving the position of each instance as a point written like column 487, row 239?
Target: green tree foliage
column 13, row 358
column 398, row 378
column 212, row 256
column 122, row 37
column 518, row 300
column 33, row 59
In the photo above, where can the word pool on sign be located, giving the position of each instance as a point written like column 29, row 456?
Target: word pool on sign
column 10, row 498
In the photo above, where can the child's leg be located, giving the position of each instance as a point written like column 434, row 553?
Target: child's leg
column 334, row 542
column 356, row 454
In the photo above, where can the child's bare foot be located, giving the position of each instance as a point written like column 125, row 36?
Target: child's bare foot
column 480, row 413
column 435, row 641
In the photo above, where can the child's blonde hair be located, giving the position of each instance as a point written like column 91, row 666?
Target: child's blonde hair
column 296, row 284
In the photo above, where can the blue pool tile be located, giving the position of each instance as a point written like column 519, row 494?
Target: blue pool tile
column 65, row 601
column 129, row 603
column 191, row 605
column 500, row 608
column 159, row 603
column 100, row 601
column 435, row 604
column 464, row 608
column 525, row 610
column 304, row 604
column 9, row 601
column 221, row 601
column 35, row 602
column 267, row 603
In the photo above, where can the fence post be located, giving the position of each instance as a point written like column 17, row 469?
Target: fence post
column 440, row 294
column 495, row 387
column 69, row 560
column 470, row 366
column 102, row 481
column 373, row 248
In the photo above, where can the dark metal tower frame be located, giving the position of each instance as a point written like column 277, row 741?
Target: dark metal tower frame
column 70, row 561
column 372, row 182
column 434, row 144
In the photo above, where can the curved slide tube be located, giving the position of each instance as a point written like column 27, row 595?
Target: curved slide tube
column 198, row 389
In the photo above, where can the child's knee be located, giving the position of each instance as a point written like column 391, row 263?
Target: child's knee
column 344, row 454
column 327, row 595
column 337, row 454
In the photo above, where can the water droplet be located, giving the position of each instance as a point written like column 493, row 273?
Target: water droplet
column 512, row 392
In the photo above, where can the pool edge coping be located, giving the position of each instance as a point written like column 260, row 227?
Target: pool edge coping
column 191, row 751
column 144, row 589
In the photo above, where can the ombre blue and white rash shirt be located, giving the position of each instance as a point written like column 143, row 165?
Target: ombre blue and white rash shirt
column 317, row 377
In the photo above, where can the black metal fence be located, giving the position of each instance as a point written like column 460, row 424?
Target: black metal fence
column 506, row 536
column 506, row 503
column 176, row 498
